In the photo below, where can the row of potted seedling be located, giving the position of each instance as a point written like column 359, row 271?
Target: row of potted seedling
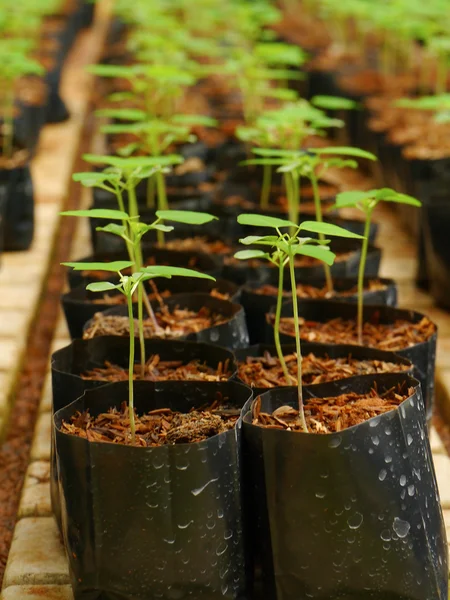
column 209, row 468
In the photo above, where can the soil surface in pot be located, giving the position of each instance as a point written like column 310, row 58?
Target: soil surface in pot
column 266, row 372
column 119, row 299
column 300, row 261
column 169, row 323
column 199, row 244
column 309, row 291
column 393, row 336
column 279, row 205
column 159, row 427
column 162, row 370
column 333, row 414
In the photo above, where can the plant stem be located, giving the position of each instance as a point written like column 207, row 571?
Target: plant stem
column 121, row 205
column 162, row 201
column 131, row 371
column 301, row 410
column 441, row 74
column 319, row 218
column 276, row 329
column 362, row 269
column 138, row 261
column 266, row 185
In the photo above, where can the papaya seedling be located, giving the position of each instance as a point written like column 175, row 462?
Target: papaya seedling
column 127, row 286
column 366, row 202
column 282, row 248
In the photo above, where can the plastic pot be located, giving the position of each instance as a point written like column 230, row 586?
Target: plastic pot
column 16, row 196
column 322, row 350
column 161, row 256
column 256, row 305
column 79, row 307
column 180, row 530
column 423, row 355
column 350, row 515
column 231, row 334
column 83, row 355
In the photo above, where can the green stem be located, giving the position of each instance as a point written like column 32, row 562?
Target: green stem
column 301, row 410
column 131, row 371
column 162, row 201
column 121, row 205
column 319, row 218
column 266, row 185
column 362, row 269
column 276, row 329
column 291, row 199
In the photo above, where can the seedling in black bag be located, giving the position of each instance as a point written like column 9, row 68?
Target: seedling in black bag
column 128, row 285
column 367, row 202
column 131, row 230
column 284, row 247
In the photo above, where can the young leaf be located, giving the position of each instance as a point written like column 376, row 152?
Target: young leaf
column 320, row 252
column 163, row 271
column 102, row 286
column 98, row 213
column 259, row 239
column 113, row 228
column 114, row 266
column 188, row 217
column 248, row 254
column 334, row 103
column 351, row 198
column 264, row 221
column 344, row 151
column 328, row 229
column 91, row 179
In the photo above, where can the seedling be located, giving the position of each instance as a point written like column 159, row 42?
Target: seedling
column 14, row 63
column 366, row 202
column 127, row 286
column 284, row 247
column 310, row 164
column 439, row 104
column 131, row 230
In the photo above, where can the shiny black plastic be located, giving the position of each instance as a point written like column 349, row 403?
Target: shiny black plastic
column 153, row 523
column 353, row 515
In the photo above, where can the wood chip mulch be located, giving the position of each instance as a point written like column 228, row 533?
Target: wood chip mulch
column 163, row 370
column 331, row 415
column 266, row 372
column 393, row 337
column 171, row 324
column 156, row 428
column 310, row 291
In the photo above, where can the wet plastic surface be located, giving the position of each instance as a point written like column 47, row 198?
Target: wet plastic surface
column 154, row 523
column 353, row 515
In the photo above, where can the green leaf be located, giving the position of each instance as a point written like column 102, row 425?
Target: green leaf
column 125, row 114
column 259, row 239
column 114, row 266
column 389, row 195
column 264, row 221
column 113, row 228
column 161, row 227
column 334, row 103
column 134, row 162
column 200, row 120
column 98, row 213
column 320, row 252
column 163, row 271
column 102, row 286
column 352, row 198
column 188, row 217
column 328, row 229
column 248, row 254
column 91, row 179
column 344, row 151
